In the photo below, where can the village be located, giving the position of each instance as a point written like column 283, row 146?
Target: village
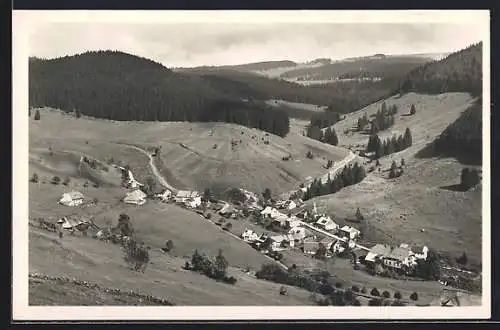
column 286, row 225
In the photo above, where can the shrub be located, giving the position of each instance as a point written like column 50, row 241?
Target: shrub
column 169, row 245
column 414, row 296
column 386, row 294
column 96, row 185
column 355, row 288
column 209, row 216
column 309, row 155
column 37, row 115
column 338, row 285
column 85, row 184
column 34, row 178
column 413, row 110
column 375, row 292
column 363, row 290
column 375, row 302
column 66, row 181
column 397, row 295
column 56, row 180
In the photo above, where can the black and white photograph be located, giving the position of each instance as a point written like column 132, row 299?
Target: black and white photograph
column 251, row 165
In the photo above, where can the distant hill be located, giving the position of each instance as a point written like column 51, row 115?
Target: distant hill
column 459, row 72
column 377, row 66
column 257, row 66
column 119, row 86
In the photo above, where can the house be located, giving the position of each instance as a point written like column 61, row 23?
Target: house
column 328, row 243
column 280, row 242
column 326, row 223
column 165, row 196
column 274, row 214
column 420, row 252
column 349, row 232
column 290, row 205
column 226, row 210
column 311, row 246
column 378, row 252
column 339, row 246
column 298, row 233
column 73, row 198
column 194, row 202
column 136, row 197
column 132, row 182
column 399, row 257
column 293, row 221
column 249, row 235
column 184, row 196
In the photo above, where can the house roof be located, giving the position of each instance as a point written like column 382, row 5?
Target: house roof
column 380, row 249
column 75, row 195
column 311, row 245
column 187, row 194
column 399, row 253
column 418, row 249
column 349, row 229
column 136, row 195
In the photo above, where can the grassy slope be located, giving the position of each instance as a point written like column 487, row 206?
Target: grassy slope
column 398, row 209
column 97, row 262
column 187, row 150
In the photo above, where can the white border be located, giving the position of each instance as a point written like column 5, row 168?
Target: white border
column 23, row 21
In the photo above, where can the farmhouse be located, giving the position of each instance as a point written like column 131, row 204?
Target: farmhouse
column 165, row 196
column 420, row 252
column 326, row 223
column 73, row 198
column 293, row 222
column 378, row 252
column 310, row 246
column 249, row 235
column 280, row 242
column 185, row 196
column 299, row 233
column 226, row 210
column 132, row 182
column 349, row 232
column 136, row 197
column 399, row 257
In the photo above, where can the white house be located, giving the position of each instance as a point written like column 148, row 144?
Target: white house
column 338, row 247
column 136, row 197
column 420, row 252
column 249, row 235
column 290, row 205
column 293, row 221
column 281, row 242
column 193, row 202
column 165, row 196
column 73, row 198
column 298, row 233
column 326, row 223
column 186, row 195
column 132, row 182
column 379, row 251
column 349, row 232
column 398, row 257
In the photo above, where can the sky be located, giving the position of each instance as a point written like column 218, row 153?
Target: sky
column 196, row 44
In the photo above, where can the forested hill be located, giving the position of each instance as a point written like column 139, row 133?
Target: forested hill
column 120, row 86
column 459, row 72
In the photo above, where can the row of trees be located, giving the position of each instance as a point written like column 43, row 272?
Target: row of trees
column 349, row 175
column 389, row 145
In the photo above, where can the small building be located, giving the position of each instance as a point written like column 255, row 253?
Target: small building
column 349, row 232
column 249, row 235
column 281, row 242
column 165, row 196
column 184, row 196
column 193, row 202
column 136, row 197
column 378, row 252
column 311, row 246
column 420, row 252
column 326, row 223
column 226, row 210
column 73, row 198
column 298, row 233
column 293, row 221
column 339, row 246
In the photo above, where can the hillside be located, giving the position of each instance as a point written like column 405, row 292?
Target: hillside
column 356, row 68
column 194, row 155
column 417, row 206
column 249, row 67
column 120, row 86
column 459, row 72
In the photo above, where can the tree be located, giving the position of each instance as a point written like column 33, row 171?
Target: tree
column 56, row 180
column 384, row 108
column 309, row 154
column 394, row 166
column 37, row 115
column 414, row 296
column 402, row 162
column 329, row 163
column 149, row 186
column 407, row 138
column 78, row 114
column 462, row 260
column 397, row 295
column 375, row 292
column 363, row 290
column 207, row 195
column 359, row 216
column 413, row 110
column 221, row 265
column 34, row 178
column 386, row 294
column 169, row 245
column 320, row 252
column 125, row 225
column 66, row 181
column 267, row 194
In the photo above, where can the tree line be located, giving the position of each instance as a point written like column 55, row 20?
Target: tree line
column 383, row 119
column 349, row 175
column 390, row 145
column 459, row 72
column 119, row 86
column 462, row 139
column 327, row 136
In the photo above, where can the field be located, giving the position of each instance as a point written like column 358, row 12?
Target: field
column 100, row 263
column 419, row 204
